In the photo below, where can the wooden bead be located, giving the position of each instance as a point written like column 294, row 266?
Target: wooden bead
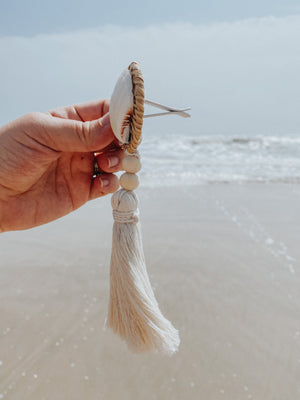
column 129, row 181
column 131, row 164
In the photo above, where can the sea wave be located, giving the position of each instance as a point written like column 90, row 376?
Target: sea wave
column 192, row 160
column 261, row 140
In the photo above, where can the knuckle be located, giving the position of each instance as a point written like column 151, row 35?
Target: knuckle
column 87, row 132
column 31, row 117
column 83, row 131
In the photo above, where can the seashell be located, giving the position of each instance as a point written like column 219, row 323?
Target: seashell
column 126, row 108
column 121, row 107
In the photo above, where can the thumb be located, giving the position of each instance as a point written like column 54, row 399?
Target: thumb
column 75, row 136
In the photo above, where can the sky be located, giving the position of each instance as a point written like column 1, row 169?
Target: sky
column 30, row 17
column 236, row 63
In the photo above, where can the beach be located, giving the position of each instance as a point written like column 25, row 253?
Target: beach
column 223, row 260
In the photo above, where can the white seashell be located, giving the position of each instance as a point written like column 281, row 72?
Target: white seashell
column 121, row 107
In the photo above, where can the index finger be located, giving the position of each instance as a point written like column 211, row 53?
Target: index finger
column 89, row 111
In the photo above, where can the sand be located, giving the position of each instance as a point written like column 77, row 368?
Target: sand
column 224, row 263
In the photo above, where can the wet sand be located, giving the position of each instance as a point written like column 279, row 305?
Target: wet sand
column 224, row 263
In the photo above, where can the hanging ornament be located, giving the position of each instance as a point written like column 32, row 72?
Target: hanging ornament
column 133, row 310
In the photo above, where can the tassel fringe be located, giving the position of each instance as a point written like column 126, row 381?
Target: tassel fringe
column 133, row 310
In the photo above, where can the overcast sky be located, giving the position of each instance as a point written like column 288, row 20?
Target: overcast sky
column 236, row 63
column 39, row 16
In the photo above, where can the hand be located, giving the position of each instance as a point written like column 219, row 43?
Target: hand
column 46, row 163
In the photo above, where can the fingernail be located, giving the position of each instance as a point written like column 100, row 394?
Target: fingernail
column 113, row 161
column 104, row 181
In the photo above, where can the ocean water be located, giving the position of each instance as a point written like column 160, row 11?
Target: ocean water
column 193, row 160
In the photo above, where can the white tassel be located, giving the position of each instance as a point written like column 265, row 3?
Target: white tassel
column 133, row 310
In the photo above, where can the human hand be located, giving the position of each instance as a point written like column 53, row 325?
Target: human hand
column 46, row 163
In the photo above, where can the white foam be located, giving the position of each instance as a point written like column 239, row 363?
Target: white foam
column 187, row 160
